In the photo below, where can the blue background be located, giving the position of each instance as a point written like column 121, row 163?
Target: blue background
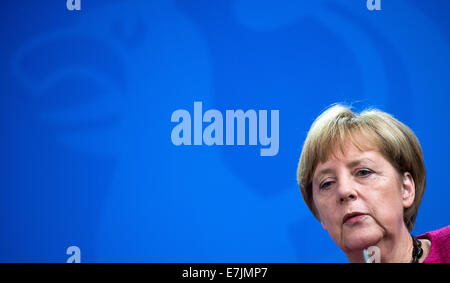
column 87, row 96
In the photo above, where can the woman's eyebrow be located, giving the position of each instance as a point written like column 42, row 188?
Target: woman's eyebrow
column 324, row 171
column 357, row 162
column 350, row 164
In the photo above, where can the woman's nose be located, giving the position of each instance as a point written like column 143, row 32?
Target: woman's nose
column 347, row 190
column 348, row 197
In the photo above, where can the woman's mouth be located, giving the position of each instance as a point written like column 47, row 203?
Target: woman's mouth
column 354, row 217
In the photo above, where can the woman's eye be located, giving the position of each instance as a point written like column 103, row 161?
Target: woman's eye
column 363, row 172
column 325, row 185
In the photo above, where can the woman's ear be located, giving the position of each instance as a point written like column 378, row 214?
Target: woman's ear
column 408, row 190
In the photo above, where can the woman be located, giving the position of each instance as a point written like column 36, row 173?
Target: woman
column 363, row 177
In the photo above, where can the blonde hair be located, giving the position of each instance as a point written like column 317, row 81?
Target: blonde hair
column 393, row 139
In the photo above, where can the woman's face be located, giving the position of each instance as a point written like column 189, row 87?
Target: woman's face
column 360, row 197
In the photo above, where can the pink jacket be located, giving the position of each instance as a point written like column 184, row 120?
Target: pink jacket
column 440, row 245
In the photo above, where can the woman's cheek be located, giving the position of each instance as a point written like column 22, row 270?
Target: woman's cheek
column 325, row 210
column 329, row 216
column 382, row 210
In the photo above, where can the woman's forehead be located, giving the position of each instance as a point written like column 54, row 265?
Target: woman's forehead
column 350, row 148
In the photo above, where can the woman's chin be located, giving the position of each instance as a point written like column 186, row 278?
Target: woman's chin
column 359, row 238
